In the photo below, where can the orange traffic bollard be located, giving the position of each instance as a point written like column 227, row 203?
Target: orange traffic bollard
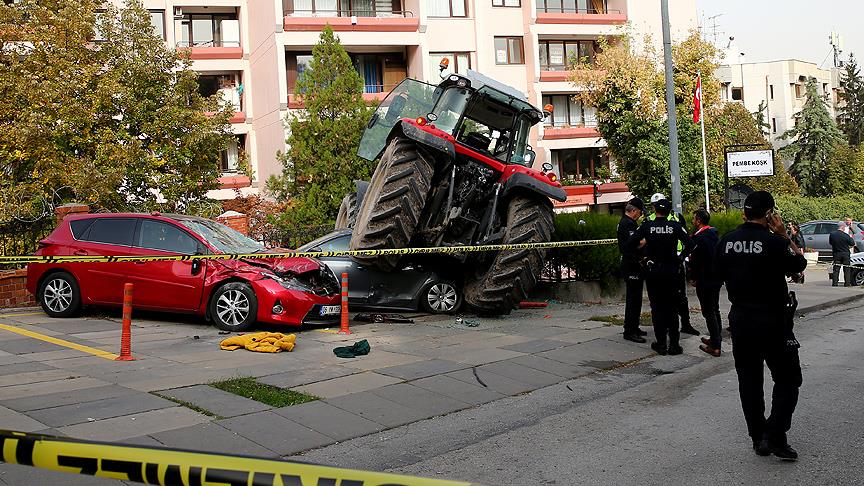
column 126, row 335
column 343, row 329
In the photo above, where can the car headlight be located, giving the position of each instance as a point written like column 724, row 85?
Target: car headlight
column 289, row 283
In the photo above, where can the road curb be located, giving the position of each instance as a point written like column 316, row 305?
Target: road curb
column 827, row 305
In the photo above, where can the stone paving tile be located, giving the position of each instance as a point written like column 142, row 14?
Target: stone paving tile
column 420, row 399
column 44, row 388
column 493, row 381
column 326, row 419
column 25, row 367
column 101, row 409
column 127, row 426
column 72, row 326
column 164, row 383
column 28, row 345
column 482, row 356
column 422, row 369
column 577, row 337
column 460, row 390
column 347, row 384
column 564, row 370
column 14, row 474
column 599, row 353
column 379, row 410
column 59, row 399
column 461, row 337
column 221, row 403
column 380, row 359
column 12, row 420
column 56, row 354
column 37, row 377
column 536, row 346
column 276, row 433
column 143, row 440
column 541, row 332
column 10, row 359
column 212, row 437
column 290, row 379
column 81, row 364
column 524, row 374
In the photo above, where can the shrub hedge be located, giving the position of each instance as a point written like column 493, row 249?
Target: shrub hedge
column 802, row 209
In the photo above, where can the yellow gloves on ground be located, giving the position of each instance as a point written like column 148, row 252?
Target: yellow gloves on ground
column 262, row 342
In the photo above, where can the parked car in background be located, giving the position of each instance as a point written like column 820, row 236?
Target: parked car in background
column 858, row 273
column 234, row 294
column 816, row 233
column 415, row 286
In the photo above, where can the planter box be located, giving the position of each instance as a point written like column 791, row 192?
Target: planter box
column 13, row 290
column 580, row 292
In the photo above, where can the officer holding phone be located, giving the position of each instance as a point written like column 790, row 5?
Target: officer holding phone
column 754, row 261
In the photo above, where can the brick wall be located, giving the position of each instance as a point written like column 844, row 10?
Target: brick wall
column 238, row 222
column 13, row 289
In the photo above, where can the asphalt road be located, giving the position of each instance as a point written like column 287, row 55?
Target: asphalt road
column 667, row 420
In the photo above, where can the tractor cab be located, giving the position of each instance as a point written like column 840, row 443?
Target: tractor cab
column 473, row 110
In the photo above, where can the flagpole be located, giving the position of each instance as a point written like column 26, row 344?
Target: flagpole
column 704, row 151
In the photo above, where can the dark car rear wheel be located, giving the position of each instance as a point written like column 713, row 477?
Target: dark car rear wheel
column 858, row 277
column 234, row 307
column 347, row 215
column 59, row 295
column 440, row 298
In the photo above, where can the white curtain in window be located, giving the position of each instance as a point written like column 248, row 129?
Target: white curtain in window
column 590, row 116
column 326, row 8
column 575, row 112
column 230, row 157
column 559, row 110
column 230, row 29
column 302, row 8
column 458, row 8
column 462, row 63
column 439, row 8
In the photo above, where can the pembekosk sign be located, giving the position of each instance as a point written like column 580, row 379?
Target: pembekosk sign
column 751, row 163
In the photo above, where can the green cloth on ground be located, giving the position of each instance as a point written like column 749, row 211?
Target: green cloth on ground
column 357, row 349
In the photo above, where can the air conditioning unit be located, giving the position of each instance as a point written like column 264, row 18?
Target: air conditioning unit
column 178, row 13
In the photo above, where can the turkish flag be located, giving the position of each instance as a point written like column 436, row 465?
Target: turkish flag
column 697, row 101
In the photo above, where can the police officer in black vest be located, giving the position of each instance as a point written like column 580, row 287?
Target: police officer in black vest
column 631, row 270
column 754, row 261
column 659, row 242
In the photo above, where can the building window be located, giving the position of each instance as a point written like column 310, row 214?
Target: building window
column 799, row 91
column 157, row 19
column 574, row 6
column 228, row 87
column 509, row 50
column 208, row 30
column 506, row 3
column 773, row 125
column 380, row 72
column 581, row 165
column 567, row 112
column 737, row 94
column 229, row 159
column 459, row 63
column 771, row 90
column 447, row 8
column 560, row 55
column 342, row 8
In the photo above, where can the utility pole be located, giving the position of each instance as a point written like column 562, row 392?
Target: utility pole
column 674, row 167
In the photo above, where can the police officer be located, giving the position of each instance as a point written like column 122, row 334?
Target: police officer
column 659, row 239
column 631, row 270
column 754, row 261
column 682, row 307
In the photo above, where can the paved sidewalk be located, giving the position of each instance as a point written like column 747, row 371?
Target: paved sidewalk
column 414, row 372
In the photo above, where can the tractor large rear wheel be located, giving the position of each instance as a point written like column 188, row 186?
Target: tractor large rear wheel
column 498, row 288
column 390, row 211
column 347, row 215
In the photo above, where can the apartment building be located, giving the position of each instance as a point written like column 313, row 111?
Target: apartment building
column 252, row 51
column 781, row 85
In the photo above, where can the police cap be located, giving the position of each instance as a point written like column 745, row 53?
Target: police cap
column 759, row 201
column 637, row 203
column 663, row 205
column 656, row 197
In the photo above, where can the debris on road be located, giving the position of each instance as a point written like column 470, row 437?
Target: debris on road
column 525, row 304
column 360, row 348
column 261, row 342
column 394, row 318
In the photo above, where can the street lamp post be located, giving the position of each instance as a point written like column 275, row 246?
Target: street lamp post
column 674, row 167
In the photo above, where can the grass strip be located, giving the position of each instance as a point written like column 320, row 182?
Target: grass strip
column 249, row 387
column 188, row 405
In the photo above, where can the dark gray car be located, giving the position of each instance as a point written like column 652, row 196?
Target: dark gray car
column 414, row 287
column 816, row 233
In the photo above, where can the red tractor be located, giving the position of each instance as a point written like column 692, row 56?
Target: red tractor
column 455, row 170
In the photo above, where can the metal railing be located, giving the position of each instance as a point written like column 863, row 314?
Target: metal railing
column 566, row 10
column 209, row 43
column 348, row 13
column 588, row 123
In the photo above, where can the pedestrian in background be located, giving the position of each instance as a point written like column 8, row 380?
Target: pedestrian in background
column 659, row 239
column 850, row 228
column 841, row 254
column 631, row 270
column 753, row 261
column 682, row 305
column 795, row 235
column 701, row 266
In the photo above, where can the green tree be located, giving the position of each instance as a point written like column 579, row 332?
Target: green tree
column 814, row 140
column 851, row 110
column 115, row 124
column 321, row 164
column 759, row 116
column 845, row 170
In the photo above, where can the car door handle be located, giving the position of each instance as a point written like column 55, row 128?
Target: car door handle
column 80, row 253
column 139, row 262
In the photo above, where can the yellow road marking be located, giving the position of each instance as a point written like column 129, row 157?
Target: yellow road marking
column 328, row 331
column 59, row 342
column 23, row 314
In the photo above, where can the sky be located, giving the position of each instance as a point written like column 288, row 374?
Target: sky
column 770, row 30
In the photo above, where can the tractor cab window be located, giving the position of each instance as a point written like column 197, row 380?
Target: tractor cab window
column 520, row 147
column 449, row 108
column 488, row 127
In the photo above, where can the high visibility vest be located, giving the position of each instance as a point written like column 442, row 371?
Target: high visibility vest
column 673, row 216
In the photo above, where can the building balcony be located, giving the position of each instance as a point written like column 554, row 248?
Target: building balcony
column 373, row 95
column 234, row 181
column 210, row 51
column 587, row 12
column 571, row 132
column 351, row 20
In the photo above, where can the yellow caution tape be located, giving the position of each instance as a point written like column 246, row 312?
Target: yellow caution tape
column 164, row 466
column 309, row 254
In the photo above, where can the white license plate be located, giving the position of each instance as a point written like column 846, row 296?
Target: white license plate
column 329, row 310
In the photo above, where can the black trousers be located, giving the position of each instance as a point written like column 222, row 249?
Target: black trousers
column 683, row 307
column 751, row 350
column 664, row 300
column 847, row 270
column 633, row 303
column 709, row 300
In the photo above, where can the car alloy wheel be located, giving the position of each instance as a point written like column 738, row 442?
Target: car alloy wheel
column 232, row 307
column 442, row 297
column 57, row 295
column 858, row 278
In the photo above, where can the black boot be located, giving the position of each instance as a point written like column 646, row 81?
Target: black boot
column 640, row 332
column 782, row 450
column 634, row 337
column 660, row 348
column 675, row 349
column 688, row 329
column 761, row 447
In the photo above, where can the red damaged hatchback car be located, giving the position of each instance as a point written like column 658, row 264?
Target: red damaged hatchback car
column 232, row 293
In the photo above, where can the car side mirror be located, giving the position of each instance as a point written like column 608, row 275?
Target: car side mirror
column 529, row 156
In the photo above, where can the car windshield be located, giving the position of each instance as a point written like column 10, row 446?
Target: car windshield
column 222, row 237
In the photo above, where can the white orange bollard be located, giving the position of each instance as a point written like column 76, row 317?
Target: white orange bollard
column 126, row 334
column 343, row 329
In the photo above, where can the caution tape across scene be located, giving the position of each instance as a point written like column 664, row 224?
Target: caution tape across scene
column 174, row 467
column 309, row 254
